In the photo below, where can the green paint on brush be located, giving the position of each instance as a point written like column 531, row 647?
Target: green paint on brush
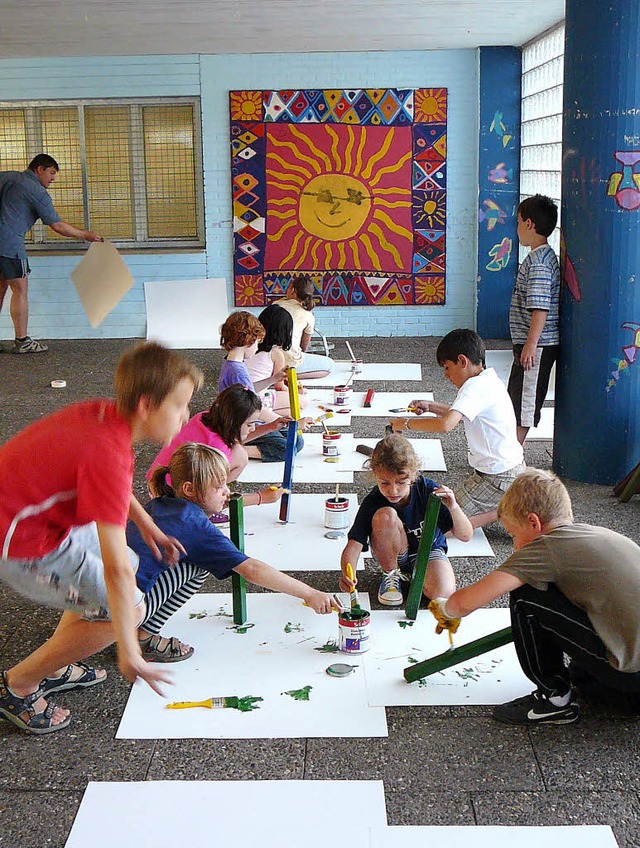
column 404, row 624
column 299, row 694
column 291, row 628
column 330, row 647
column 244, row 704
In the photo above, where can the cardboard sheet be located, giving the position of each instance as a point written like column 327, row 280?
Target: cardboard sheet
column 101, row 279
column 275, row 656
column 186, row 313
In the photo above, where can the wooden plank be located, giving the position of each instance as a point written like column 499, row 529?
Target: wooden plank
column 238, row 583
column 457, row 655
column 289, row 462
column 294, row 394
column 422, row 560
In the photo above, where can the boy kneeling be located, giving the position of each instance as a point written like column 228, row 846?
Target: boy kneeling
column 574, row 589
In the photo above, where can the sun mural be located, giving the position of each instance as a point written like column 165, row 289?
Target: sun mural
column 346, row 186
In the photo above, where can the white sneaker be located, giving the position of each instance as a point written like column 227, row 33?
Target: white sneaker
column 389, row 592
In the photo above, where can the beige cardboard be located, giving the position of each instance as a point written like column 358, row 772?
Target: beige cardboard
column 101, row 279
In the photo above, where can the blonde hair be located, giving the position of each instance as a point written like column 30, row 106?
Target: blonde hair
column 190, row 463
column 396, row 455
column 240, row 329
column 150, row 370
column 540, row 492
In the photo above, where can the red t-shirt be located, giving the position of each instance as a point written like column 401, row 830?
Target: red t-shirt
column 68, row 469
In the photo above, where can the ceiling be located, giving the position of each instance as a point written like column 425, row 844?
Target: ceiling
column 39, row 28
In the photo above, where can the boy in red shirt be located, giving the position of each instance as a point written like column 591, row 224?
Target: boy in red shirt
column 65, row 497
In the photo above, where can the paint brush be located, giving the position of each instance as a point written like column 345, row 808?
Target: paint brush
column 353, row 594
column 335, row 598
column 404, row 409
column 349, row 379
column 244, row 704
column 337, row 497
column 353, row 359
column 328, row 414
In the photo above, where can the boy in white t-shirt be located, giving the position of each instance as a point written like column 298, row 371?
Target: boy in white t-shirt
column 486, row 410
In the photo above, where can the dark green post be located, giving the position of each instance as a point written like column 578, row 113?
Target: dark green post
column 238, row 584
column 452, row 657
column 422, row 560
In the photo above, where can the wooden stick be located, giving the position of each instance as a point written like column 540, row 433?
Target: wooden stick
column 422, row 560
column 368, row 398
column 289, row 462
column 353, row 359
column 452, row 657
column 294, row 394
column 238, row 583
column 337, row 492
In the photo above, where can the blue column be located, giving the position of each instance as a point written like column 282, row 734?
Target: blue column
column 597, row 424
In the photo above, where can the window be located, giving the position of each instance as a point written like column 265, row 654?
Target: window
column 541, row 151
column 131, row 171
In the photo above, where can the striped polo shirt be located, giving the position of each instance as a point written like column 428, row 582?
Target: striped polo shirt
column 537, row 287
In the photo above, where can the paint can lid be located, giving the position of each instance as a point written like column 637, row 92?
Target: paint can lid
column 334, row 534
column 340, row 670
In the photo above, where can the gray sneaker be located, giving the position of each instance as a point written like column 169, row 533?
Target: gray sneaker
column 29, row 345
column 389, row 592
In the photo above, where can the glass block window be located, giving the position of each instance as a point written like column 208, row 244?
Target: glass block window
column 131, row 171
column 541, row 151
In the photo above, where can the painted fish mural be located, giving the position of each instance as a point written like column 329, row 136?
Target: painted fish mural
column 500, row 174
column 501, row 254
column 493, row 214
column 499, row 129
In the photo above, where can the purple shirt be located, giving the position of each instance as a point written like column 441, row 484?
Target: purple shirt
column 233, row 373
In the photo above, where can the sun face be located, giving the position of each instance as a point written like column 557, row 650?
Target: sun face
column 430, row 105
column 330, row 191
column 246, row 105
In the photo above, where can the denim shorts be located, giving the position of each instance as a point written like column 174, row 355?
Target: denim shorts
column 69, row 578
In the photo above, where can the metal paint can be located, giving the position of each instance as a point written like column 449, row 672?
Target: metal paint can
column 341, row 395
column 331, row 443
column 336, row 513
column 354, row 631
column 356, row 365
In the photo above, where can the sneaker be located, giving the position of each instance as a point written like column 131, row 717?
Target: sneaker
column 219, row 518
column 389, row 592
column 536, row 709
column 28, row 345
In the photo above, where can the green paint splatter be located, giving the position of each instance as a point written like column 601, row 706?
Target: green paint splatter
column 412, row 660
column 299, row 694
column 404, row 624
column 241, row 628
column 423, row 682
column 330, row 647
column 198, row 615
column 291, row 628
column 244, row 704
column 468, row 674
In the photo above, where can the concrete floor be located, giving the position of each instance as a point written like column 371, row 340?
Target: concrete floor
column 440, row 765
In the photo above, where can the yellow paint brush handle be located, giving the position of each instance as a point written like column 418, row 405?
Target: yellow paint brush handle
column 187, row 705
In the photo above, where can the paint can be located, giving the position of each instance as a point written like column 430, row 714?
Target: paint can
column 331, row 443
column 356, row 365
column 354, row 631
column 341, row 395
column 336, row 513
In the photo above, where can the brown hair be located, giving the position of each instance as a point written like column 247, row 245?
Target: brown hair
column 150, row 370
column 240, row 329
column 190, row 463
column 305, row 291
column 395, row 454
column 540, row 492
column 230, row 410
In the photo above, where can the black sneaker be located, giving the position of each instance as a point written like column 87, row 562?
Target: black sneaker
column 536, row 709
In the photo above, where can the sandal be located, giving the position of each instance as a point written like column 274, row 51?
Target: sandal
column 20, row 711
column 169, row 654
column 89, row 677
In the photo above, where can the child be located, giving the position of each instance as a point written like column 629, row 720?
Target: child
column 198, row 489
column 484, row 407
column 299, row 304
column 228, row 423
column 533, row 316
column 390, row 519
column 269, row 360
column 574, row 589
column 65, row 495
column 239, row 336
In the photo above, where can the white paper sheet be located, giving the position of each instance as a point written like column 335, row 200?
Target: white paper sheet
column 429, row 452
column 299, row 545
column 264, row 662
column 371, row 372
column 581, row 836
column 101, row 279
column 381, row 405
column 492, row 678
column 478, row 546
column 218, row 814
column 186, row 313
column 501, row 360
column 544, row 430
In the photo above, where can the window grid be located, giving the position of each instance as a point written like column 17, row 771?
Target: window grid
column 541, row 137
column 131, row 171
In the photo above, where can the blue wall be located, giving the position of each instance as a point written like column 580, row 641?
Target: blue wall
column 55, row 309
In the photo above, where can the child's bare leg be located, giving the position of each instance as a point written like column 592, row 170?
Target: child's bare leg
column 439, row 581
column 483, row 518
column 253, row 452
column 281, row 403
column 388, row 538
column 521, row 434
column 237, row 461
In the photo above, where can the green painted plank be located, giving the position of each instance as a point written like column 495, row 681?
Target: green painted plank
column 238, row 583
column 422, row 560
column 452, row 657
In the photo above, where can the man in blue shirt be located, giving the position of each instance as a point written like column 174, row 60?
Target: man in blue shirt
column 23, row 199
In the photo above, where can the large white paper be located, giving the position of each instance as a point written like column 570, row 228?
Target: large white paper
column 269, row 813
column 492, row 678
column 265, row 662
column 429, row 452
column 371, row 372
column 478, row 546
column 300, row 544
column 581, row 836
column 101, row 279
column 544, row 430
column 501, row 360
column 186, row 313
column 381, row 405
